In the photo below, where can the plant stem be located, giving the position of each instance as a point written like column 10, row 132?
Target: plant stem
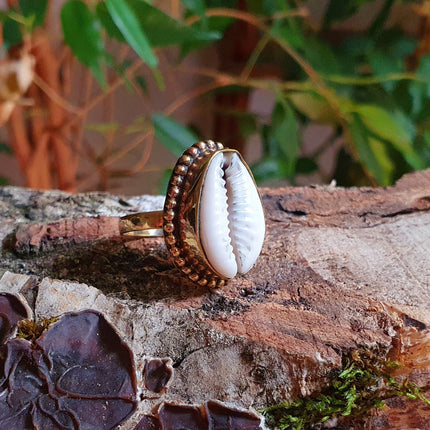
column 115, row 85
column 192, row 95
column 372, row 80
column 262, row 43
column 378, row 24
column 21, row 143
column 55, row 96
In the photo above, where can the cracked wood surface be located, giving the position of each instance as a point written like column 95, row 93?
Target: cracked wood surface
column 341, row 269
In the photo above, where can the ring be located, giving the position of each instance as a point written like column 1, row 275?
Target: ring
column 213, row 219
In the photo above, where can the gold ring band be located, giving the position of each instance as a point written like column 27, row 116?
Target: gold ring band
column 144, row 224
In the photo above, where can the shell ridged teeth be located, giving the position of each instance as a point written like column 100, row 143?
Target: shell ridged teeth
column 232, row 223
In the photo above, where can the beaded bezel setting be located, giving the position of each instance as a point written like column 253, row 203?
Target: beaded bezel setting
column 181, row 213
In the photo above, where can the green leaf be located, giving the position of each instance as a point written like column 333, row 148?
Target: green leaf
column 4, row 181
column 125, row 19
column 423, row 70
column 285, row 32
column 247, row 125
column 306, row 165
column 34, row 8
column 121, row 69
column 426, row 138
column 394, row 43
column 159, row 28
column 381, row 122
column 270, row 169
column 270, row 7
column 405, row 122
column 339, row 10
column 386, row 165
column 420, row 91
column 165, row 178
column 81, row 32
column 11, row 33
column 390, row 55
column 390, row 128
column 313, row 106
column 107, row 22
column 255, row 6
column 173, row 135
column 285, row 131
column 422, row 147
column 321, row 56
column 372, row 152
column 384, row 65
column 5, row 148
column 162, row 30
column 209, row 29
column 140, row 80
column 196, row 6
column 247, row 121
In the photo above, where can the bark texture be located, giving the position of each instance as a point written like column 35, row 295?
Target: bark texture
column 341, row 269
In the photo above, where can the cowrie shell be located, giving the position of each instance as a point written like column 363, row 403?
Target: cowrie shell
column 231, row 217
column 213, row 216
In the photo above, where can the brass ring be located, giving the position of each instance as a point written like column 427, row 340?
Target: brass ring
column 213, row 218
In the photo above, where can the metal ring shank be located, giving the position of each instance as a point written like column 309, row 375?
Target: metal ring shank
column 144, row 224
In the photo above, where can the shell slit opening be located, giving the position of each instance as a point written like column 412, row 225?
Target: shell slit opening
column 230, row 198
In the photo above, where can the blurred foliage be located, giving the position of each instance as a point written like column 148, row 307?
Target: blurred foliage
column 371, row 86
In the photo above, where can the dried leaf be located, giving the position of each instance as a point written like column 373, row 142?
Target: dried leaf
column 15, row 78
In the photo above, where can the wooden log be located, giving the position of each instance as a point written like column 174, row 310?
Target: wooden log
column 341, row 270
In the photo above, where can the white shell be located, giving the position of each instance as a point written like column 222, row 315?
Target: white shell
column 232, row 223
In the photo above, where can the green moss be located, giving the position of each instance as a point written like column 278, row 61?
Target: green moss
column 363, row 383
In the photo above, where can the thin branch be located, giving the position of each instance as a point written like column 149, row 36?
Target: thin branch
column 252, row 60
column 172, row 107
column 116, row 84
column 133, row 145
column 80, row 133
column 145, row 155
column 224, row 79
column 108, row 113
column 246, row 16
column 205, row 71
column 170, row 78
column 67, row 66
column 123, row 52
column 174, row 9
column 381, row 18
column 54, row 96
column 118, row 156
column 300, row 12
column 372, row 80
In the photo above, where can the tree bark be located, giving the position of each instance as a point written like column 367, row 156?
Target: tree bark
column 341, row 270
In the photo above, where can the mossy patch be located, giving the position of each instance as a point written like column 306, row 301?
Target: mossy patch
column 31, row 330
column 363, row 383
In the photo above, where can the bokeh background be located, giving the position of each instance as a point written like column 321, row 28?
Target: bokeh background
column 104, row 95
